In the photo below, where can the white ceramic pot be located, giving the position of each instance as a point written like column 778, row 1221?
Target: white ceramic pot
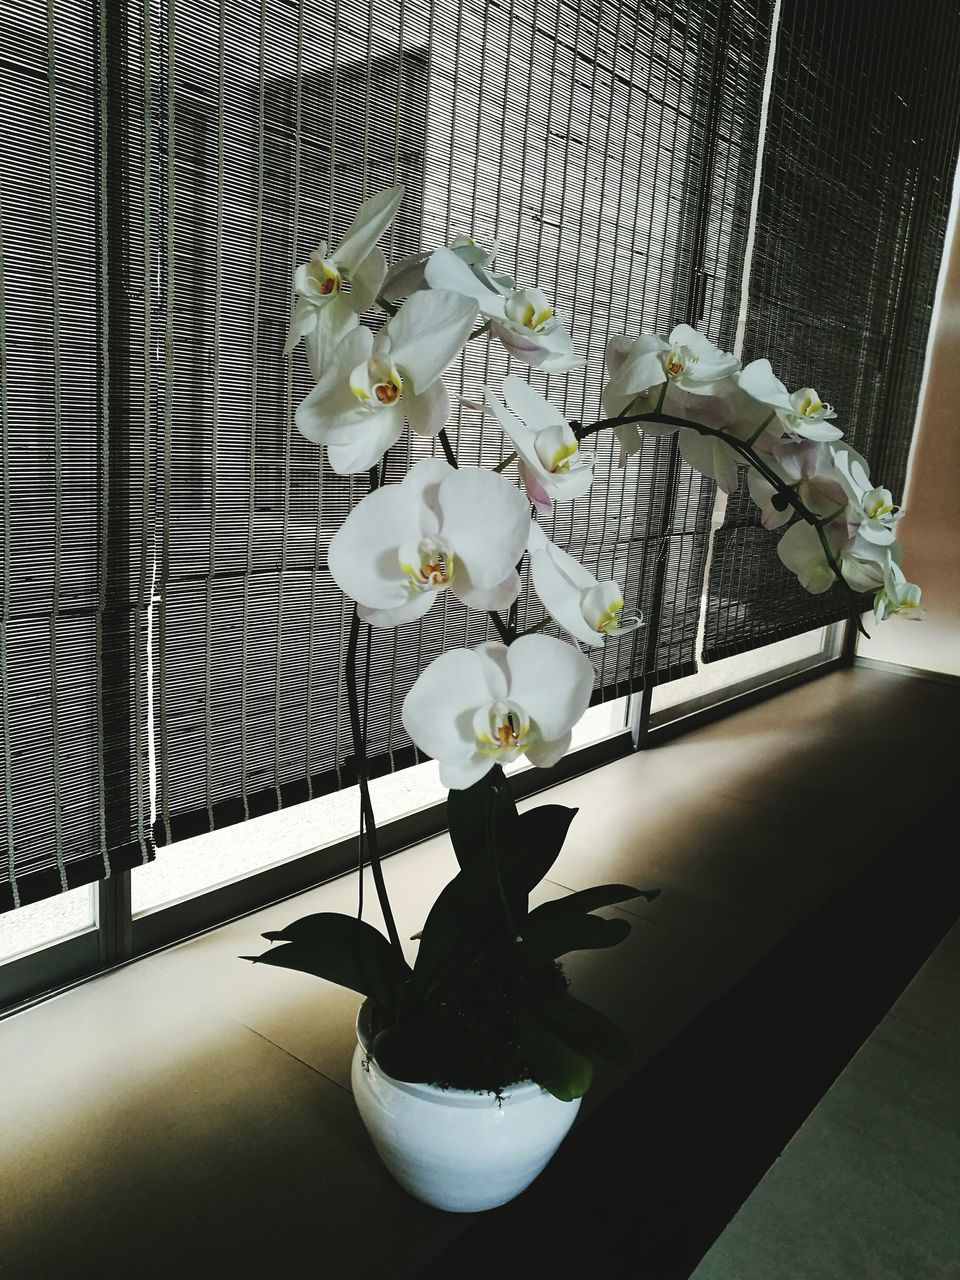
column 455, row 1149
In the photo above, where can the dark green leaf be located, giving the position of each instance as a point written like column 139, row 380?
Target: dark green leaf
column 547, row 937
column 540, row 835
column 584, row 900
column 564, row 1071
column 581, row 1027
column 455, row 929
column 343, row 950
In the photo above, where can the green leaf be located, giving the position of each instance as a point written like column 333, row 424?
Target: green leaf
column 474, row 814
column 456, row 928
column 539, row 838
column 343, row 950
column 559, row 1068
column 582, row 1027
column 601, row 895
column 420, row 1049
column 548, row 937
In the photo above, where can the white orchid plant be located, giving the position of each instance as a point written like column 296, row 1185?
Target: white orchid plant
column 486, row 1002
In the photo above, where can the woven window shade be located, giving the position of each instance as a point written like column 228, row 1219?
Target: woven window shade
column 164, row 167
column 73, row 767
column 602, row 147
column 858, row 168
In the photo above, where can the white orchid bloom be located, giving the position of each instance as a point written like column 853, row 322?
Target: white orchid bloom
column 802, row 413
column 439, row 527
column 474, row 708
column 896, row 596
column 586, row 607
column 863, row 565
column 686, row 361
column 409, row 274
column 323, row 313
column 551, row 464
column 358, row 407
column 808, row 467
column 874, row 510
column 801, row 551
column 522, row 319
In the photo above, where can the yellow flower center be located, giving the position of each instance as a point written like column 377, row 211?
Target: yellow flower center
column 502, row 730
column 434, row 568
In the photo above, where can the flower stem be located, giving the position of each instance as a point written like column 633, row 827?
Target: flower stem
column 502, row 465
column 480, row 330
column 360, row 761
column 386, row 305
column 447, row 447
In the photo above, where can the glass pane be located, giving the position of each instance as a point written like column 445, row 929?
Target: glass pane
column 203, row 862
column 715, row 677
column 42, row 923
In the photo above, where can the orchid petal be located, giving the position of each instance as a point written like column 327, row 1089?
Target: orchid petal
column 711, row 457
column 428, row 412
column 415, row 607
column 334, row 320
column 355, row 448
column 485, row 599
column 447, row 271
column 302, row 321
column 800, row 551
column 331, row 403
column 544, row 754
column 529, row 405
column 427, row 333
column 405, row 277
column 366, row 280
column 362, row 556
column 762, row 492
column 560, row 595
column 438, row 711
column 486, row 520
column 371, row 221
column 552, row 681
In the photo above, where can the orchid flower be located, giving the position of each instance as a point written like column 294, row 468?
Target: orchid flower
column 439, row 527
column 474, row 708
column 323, row 313
column 522, row 319
column 372, row 384
column 589, row 609
column 864, row 565
column 896, row 596
column 686, row 360
column 409, row 274
column 552, row 466
column 873, row 509
column 801, row 413
column 808, row 467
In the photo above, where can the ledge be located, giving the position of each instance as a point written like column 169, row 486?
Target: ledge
column 193, row 1112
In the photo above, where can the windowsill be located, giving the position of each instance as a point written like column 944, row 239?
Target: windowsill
column 191, row 1107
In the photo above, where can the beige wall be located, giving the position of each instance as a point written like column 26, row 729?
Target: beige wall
column 930, row 530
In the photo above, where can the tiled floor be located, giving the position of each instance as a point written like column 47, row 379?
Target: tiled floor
column 869, row 1188
column 190, row 1115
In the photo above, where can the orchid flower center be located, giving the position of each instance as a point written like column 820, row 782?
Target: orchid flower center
column 807, row 404
column 376, row 382
column 601, row 607
column 878, row 505
column 324, row 276
column 529, row 308
column 433, row 569
column 676, row 360
column 557, row 448
column 501, row 730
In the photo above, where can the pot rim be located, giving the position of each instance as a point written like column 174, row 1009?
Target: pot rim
column 517, row 1092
